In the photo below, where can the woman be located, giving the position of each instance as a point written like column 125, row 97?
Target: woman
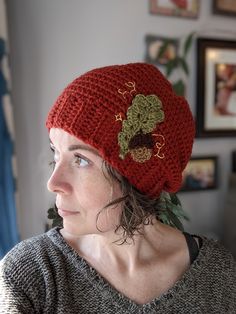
column 120, row 138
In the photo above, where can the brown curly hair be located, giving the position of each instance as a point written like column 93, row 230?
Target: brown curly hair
column 138, row 208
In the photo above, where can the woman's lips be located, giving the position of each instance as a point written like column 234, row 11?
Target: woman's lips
column 65, row 213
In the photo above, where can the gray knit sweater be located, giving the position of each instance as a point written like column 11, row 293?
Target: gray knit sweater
column 45, row 275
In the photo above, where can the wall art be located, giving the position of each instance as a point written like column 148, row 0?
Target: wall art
column 216, row 87
column 181, row 8
column 200, row 174
column 224, row 7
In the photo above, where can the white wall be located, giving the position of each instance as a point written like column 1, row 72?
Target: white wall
column 53, row 41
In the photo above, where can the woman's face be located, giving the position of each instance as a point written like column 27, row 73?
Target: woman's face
column 81, row 188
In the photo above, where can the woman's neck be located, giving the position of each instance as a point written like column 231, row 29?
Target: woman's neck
column 143, row 248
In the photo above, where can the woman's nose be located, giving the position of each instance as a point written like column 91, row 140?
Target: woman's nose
column 59, row 181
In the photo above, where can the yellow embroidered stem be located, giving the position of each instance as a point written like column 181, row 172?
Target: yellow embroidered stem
column 130, row 85
column 159, row 144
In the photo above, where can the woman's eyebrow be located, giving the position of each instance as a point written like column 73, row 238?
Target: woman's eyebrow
column 83, row 147
column 78, row 146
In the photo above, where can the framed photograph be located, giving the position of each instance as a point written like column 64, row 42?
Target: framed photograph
column 187, row 8
column 200, row 174
column 154, row 45
column 216, row 87
column 224, row 7
column 234, row 161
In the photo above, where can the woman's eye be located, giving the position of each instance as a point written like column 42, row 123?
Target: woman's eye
column 80, row 161
column 55, row 157
column 54, row 161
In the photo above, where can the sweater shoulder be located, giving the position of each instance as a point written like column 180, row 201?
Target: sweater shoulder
column 22, row 275
column 218, row 251
column 217, row 258
column 25, row 249
column 26, row 258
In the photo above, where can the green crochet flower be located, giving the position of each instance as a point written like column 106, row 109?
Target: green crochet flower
column 142, row 118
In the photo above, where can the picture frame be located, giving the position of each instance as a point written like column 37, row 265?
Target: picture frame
column 200, row 174
column 224, row 7
column 216, row 88
column 154, row 44
column 234, row 161
column 187, row 9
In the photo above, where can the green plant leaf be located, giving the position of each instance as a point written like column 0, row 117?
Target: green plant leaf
column 178, row 211
column 170, row 66
column 163, row 48
column 175, row 221
column 188, row 43
column 184, row 65
column 163, row 217
column 170, row 211
column 174, row 199
column 53, row 215
column 179, row 87
column 57, row 222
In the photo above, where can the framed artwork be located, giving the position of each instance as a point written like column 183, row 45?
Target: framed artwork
column 187, row 8
column 224, row 7
column 216, row 87
column 200, row 174
column 154, row 45
column 234, row 161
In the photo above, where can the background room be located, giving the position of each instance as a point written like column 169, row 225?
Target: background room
column 50, row 42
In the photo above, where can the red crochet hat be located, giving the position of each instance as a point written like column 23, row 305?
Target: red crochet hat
column 131, row 115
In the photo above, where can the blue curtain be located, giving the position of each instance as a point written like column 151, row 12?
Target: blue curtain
column 9, row 235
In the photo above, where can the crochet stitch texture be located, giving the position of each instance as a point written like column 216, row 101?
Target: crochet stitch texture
column 95, row 108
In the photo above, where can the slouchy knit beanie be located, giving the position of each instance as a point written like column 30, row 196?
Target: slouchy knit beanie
column 132, row 116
